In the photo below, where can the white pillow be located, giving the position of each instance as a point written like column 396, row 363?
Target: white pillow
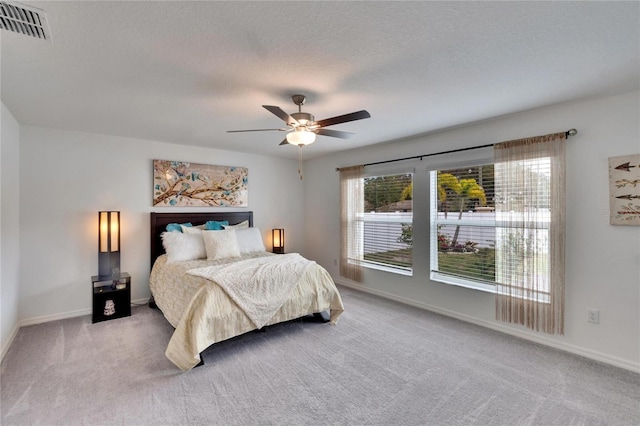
column 221, row 244
column 249, row 240
column 241, row 225
column 192, row 230
column 179, row 246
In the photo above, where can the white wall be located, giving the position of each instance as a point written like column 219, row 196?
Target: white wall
column 9, row 227
column 603, row 261
column 67, row 177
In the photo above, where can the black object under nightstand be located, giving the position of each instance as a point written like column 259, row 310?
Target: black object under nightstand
column 111, row 297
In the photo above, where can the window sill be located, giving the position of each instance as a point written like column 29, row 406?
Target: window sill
column 381, row 267
column 461, row 282
column 474, row 285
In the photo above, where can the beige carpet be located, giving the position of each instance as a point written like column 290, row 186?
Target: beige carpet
column 383, row 364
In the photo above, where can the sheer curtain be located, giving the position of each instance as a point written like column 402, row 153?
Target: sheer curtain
column 530, row 232
column 351, row 226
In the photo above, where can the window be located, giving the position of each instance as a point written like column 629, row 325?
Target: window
column 463, row 226
column 388, row 222
column 476, row 244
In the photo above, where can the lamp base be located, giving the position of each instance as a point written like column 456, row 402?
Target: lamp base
column 278, row 250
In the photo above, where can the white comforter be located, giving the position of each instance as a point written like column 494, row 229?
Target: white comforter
column 203, row 313
column 259, row 286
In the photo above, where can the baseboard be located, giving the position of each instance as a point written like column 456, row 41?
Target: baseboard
column 70, row 314
column 54, row 317
column 567, row 347
column 7, row 345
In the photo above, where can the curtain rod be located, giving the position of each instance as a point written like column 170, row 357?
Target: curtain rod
column 570, row 132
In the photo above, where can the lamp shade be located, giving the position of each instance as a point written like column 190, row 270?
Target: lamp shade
column 277, row 238
column 108, row 243
column 301, row 137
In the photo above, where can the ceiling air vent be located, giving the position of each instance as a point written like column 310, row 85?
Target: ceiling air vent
column 24, row 19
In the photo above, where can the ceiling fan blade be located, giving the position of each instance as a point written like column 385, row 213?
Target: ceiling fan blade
column 284, row 142
column 256, row 130
column 281, row 114
column 358, row 115
column 334, row 133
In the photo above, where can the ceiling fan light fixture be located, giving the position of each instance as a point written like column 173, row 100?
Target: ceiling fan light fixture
column 302, row 127
column 301, row 137
column 303, row 118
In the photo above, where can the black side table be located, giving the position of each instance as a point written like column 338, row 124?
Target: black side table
column 111, row 297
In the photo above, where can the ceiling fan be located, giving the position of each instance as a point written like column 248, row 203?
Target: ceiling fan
column 301, row 125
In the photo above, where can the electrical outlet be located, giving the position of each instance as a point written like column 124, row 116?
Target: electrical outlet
column 593, row 316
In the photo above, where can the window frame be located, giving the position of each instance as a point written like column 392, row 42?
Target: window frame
column 434, row 274
column 380, row 266
column 438, row 276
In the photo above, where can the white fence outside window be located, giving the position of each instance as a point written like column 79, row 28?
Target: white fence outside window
column 382, row 231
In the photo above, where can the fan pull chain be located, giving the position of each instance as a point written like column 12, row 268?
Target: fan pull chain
column 300, row 161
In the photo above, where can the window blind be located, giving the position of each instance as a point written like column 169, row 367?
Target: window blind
column 463, row 223
column 388, row 220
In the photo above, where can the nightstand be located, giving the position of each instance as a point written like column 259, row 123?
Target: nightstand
column 111, row 297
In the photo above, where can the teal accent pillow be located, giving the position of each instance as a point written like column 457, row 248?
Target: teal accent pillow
column 175, row 227
column 214, row 225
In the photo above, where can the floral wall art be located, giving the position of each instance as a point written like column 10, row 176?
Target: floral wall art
column 624, row 190
column 180, row 184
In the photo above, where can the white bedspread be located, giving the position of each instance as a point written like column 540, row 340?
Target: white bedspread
column 258, row 286
column 203, row 313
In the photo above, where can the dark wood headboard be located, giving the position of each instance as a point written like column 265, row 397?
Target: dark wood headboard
column 159, row 222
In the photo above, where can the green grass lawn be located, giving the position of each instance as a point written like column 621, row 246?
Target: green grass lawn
column 481, row 265
column 402, row 258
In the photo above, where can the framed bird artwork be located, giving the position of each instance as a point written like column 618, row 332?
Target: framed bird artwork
column 624, row 190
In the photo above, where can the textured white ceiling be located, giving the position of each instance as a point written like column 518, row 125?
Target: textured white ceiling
column 186, row 72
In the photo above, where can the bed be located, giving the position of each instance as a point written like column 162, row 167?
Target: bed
column 221, row 296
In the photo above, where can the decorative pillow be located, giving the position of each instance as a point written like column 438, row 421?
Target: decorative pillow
column 249, row 240
column 241, row 225
column 193, row 229
column 179, row 246
column 176, row 227
column 214, row 225
column 221, row 244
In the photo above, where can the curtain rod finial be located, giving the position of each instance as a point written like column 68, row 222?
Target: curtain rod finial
column 572, row 132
